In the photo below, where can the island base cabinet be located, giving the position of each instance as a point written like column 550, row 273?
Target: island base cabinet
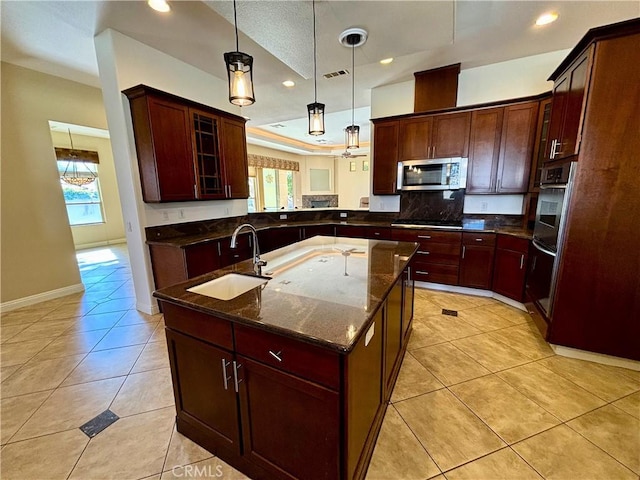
column 291, row 427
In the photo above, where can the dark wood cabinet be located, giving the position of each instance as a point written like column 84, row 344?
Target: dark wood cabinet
column 414, row 139
column 540, row 145
column 476, row 260
column 510, row 266
column 385, row 157
column 567, row 110
column 187, row 151
column 501, row 147
column 393, row 335
column 434, row 136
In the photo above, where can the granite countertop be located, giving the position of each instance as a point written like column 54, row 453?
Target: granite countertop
column 309, row 296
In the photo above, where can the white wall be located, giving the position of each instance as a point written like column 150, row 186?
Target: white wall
column 112, row 230
column 500, row 81
column 351, row 186
column 123, row 63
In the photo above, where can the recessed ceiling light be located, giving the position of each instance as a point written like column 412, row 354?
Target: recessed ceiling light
column 546, row 18
column 159, row 5
column 386, row 61
column 288, row 83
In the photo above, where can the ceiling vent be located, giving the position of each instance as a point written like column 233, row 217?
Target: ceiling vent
column 336, row 74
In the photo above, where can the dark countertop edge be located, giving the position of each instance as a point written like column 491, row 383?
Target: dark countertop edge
column 188, row 241
column 319, row 342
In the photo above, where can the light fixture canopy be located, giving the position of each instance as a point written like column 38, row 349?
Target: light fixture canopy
column 352, row 37
column 239, row 72
column 315, row 109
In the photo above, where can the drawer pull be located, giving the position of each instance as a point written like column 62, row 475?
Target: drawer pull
column 478, row 239
column 464, row 249
column 276, row 355
column 376, row 233
column 421, row 272
column 423, row 252
column 428, row 237
column 225, row 377
column 521, row 261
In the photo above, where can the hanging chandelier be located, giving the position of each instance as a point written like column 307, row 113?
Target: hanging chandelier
column 239, row 72
column 352, row 37
column 72, row 175
column 315, row 109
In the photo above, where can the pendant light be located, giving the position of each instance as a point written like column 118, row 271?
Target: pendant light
column 315, row 109
column 352, row 37
column 239, row 72
column 71, row 175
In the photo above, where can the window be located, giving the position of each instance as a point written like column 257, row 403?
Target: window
column 84, row 203
column 272, row 183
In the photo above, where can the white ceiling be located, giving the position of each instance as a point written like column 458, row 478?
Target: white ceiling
column 56, row 37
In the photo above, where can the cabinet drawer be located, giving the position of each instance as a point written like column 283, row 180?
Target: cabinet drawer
column 469, row 238
column 302, row 359
column 509, row 242
column 440, row 253
column 198, row 325
column 435, row 273
column 426, row 236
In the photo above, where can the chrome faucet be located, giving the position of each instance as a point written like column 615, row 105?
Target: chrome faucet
column 257, row 263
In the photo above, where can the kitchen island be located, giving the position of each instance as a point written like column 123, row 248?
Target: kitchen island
column 291, row 379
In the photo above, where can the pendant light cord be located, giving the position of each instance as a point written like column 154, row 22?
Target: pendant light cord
column 235, row 22
column 315, row 76
column 353, row 80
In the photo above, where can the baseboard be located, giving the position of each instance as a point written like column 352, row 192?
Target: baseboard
column 41, row 297
column 104, row 243
column 596, row 357
column 148, row 309
column 471, row 291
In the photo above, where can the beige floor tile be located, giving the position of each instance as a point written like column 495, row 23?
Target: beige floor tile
column 125, row 336
column 50, row 457
column 117, row 305
column 158, row 333
column 133, row 447
column 449, row 327
column 96, row 322
column 607, row 382
column 206, row 469
column 24, row 316
column 561, row 453
column 70, row 407
column 526, row 339
column 143, row 392
column 501, row 465
column 514, row 315
column 15, row 411
column 630, row 404
column 105, row 364
column 449, row 431
column 39, row 376
column 5, row 372
column 509, row 413
column 490, row 353
column 125, row 291
column 9, row 331
column 614, row 431
column 183, row 451
column 423, row 335
column 70, row 310
column 46, row 330
column 134, row 317
column 21, row 352
column 66, row 345
column 153, row 356
column 452, row 301
column 449, row 364
column 398, row 453
column 558, row 396
column 484, row 319
column 413, row 380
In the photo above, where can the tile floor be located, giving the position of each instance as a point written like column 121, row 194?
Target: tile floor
column 480, row 395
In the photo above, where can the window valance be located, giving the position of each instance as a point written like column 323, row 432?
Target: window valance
column 75, row 155
column 271, row 162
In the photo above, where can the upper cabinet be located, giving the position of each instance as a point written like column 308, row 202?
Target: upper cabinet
column 187, row 151
column 385, row 160
column 434, row 136
column 567, row 109
column 501, row 147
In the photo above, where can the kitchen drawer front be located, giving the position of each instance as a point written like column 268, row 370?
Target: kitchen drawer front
column 299, row 358
column 441, row 253
column 198, row 325
column 469, row 238
column 426, row 236
column 509, row 242
column 435, row 273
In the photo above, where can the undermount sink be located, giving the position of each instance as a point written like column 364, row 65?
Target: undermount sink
column 229, row 286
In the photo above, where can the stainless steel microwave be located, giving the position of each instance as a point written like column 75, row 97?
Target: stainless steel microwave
column 433, row 174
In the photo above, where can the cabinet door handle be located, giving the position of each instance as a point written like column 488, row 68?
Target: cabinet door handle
column 225, row 377
column 521, row 261
column 376, row 233
column 236, row 381
column 195, row 190
column 423, row 252
column 464, row 249
column 219, row 250
column 422, row 272
column 276, row 355
column 408, row 274
column 428, row 237
column 479, row 240
column 229, row 191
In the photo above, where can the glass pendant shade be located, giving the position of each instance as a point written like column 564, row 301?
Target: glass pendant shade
column 240, row 74
column 316, row 118
column 352, row 136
